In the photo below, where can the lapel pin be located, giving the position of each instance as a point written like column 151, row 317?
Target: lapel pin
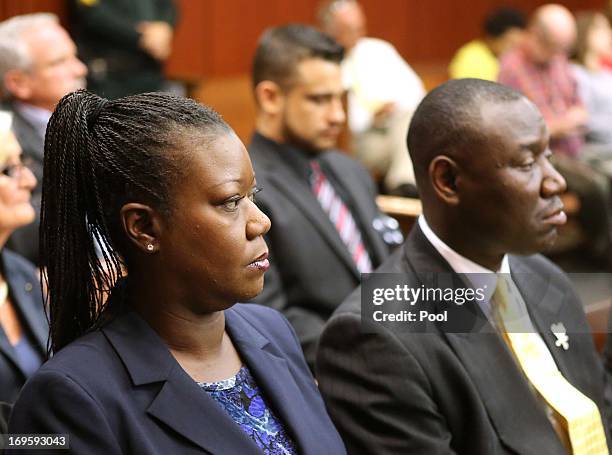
column 560, row 333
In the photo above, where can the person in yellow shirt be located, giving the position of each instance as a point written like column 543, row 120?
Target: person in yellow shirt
column 479, row 58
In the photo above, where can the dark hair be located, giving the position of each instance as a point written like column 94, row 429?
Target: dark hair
column 281, row 49
column 503, row 19
column 100, row 154
column 448, row 119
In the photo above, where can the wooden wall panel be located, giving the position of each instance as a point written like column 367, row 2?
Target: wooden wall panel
column 218, row 37
column 14, row 7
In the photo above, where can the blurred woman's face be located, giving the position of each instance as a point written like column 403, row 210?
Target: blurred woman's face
column 16, row 184
column 600, row 36
column 213, row 245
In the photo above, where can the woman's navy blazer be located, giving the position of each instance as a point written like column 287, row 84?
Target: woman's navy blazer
column 119, row 390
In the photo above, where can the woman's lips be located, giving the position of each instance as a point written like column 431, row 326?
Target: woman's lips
column 261, row 263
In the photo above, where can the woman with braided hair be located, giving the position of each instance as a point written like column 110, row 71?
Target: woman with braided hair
column 150, row 198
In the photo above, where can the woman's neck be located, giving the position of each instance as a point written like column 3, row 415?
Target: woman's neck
column 183, row 330
column 198, row 342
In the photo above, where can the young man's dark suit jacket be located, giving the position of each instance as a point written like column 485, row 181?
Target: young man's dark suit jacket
column 24, row 289
column 311, row 271
column 25, row 239
column 119, row 390
column 393, row 391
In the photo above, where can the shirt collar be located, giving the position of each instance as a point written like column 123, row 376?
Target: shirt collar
column 458, row 263
column 482, row 278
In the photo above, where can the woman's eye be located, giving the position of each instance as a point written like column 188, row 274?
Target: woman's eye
column 231, row 205
column 527, row 166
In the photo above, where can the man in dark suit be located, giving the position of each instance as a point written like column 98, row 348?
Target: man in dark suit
column 38, row 66
column 124, row 43
column 490, row 202
column 326, row 227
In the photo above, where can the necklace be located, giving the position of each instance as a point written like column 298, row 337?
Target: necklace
column 3, row 293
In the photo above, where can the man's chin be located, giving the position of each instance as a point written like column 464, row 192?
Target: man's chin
column 326, row 143
column 548, row 240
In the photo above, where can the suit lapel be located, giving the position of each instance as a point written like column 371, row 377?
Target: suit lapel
column 545, row 304
column 274, row 379
column 21, row 295
column 493, row 370
column 302, row 197
column 8, row 350
column 500, row 383
column 183, row 406
column 180, row 403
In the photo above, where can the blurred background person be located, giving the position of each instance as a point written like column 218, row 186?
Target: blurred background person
column 23, row 324
column 503, row 29
column 383, row 92
column 539, row 68
column 593, row 46
column 38, row 65
column 124, row 43
column 607, row 61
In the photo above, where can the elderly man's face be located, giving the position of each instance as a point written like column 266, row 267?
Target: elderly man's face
column 509, row 190
column 56, row 70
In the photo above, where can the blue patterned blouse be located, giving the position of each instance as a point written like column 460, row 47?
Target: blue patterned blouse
column 240, row 397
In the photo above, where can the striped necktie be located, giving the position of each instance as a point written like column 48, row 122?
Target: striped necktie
column 577, row 413
column 341, row 218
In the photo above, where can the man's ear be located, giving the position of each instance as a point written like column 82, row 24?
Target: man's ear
column 443, row 173
column 142, row 226
column 18, row 84
column 270, row 97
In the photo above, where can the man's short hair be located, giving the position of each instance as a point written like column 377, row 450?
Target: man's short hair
column 281, row 49
column 448, row 119
column 501, row 20
column 14, row 51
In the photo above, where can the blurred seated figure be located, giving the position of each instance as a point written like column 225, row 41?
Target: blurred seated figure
column 539, row 68
column 124, row 43
column 169, row 364
column 512, row 371
column 593, row 45
column 503, row 29
column 23, row 324
column 383, row 91
column 38, row 65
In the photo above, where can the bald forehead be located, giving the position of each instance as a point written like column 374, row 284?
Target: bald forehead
column 555, row 21
column 517, row 112
column 347, row 13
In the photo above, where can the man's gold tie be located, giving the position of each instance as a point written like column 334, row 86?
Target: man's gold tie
column 577, row 413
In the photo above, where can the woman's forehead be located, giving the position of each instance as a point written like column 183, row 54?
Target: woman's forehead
column 213, row 162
